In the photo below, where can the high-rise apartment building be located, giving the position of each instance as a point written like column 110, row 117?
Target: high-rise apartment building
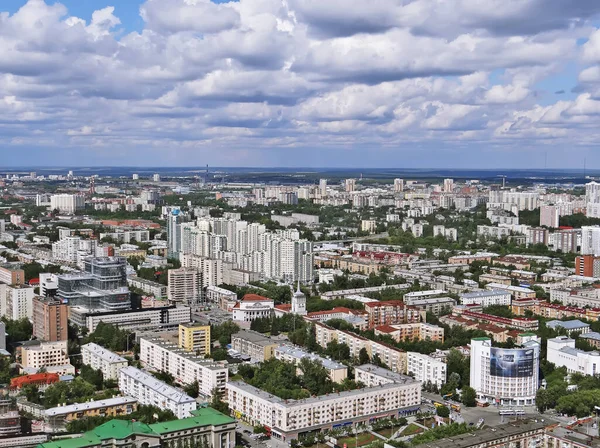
column 184, row 285
column 67, row 203
column 549, row 216
column 587, row 266
column 592, row 200
column 12, row 275
column 323, row 188
column 48, row 284
column 16, row 302
column 350, row 185
column 398, row 185
column 590, row 240
column 50, row 319
column 448, row 185
column 174, row 234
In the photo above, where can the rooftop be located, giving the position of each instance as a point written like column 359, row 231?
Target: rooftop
column 156, row 385
column 567, row 324
column 79, row 407
column 298, row 353
column 490, row 292
column 487, row 435
column 104, row 354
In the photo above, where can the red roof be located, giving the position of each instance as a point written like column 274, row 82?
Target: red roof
column 386, row 329
column 284, row 307
column 254, row 298
column 34, row 281
column 36, row 378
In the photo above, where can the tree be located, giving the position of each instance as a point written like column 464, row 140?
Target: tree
column 469, row 396
column 363, row 356
column 92, row 376
column 192, row 389
column 443, row 411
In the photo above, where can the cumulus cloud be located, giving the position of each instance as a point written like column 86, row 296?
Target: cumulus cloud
column 241, row 77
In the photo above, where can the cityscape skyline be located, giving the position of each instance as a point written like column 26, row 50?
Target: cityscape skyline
column 300, row 84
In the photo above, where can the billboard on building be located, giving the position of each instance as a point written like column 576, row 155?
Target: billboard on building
column 512, row 363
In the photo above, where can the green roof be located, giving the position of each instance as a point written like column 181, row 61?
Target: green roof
column 527, row 334
column 482, row 338
column 202, row 417
column 121, row 429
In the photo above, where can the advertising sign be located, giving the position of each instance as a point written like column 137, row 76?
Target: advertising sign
column 512, row 363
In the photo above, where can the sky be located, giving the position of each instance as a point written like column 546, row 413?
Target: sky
column 306, row 83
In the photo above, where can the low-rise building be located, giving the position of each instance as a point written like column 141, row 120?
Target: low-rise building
column 46, row 355
column 434, row 305
column 517, row 292
column 337, row 372
column 392, row 312
column 205, row 427
column 100, row 358
column 252, row 307
column 570, row 326
column 148, row 318
column 110, row 407
column 413, row 332
column 223, row 297
column 562, row 353
column 253, row 344
column 425, row 368
column 151, row 391
column 156, row 289
column 486, row 298
column 288, row 418
column 160, row 355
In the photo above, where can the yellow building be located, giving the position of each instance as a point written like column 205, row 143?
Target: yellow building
column 111, row 407
column 195, row 338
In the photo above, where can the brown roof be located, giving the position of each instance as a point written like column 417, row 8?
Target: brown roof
column 254, row 298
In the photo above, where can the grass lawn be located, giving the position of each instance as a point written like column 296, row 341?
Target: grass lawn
column 387, row 433
column 412, row 429
column 363, row 439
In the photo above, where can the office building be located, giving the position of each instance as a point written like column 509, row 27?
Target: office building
column 100, row 358
column 50, row 319
column 253, row 306
column 562, row 353
column 426, row 369
column 253, row 344
column 195, row 338
column 48, row 285
column 289, row 418
column 184, row 286
column 12, row 275
column 147, row 318
column 337, row 372
column 101, row 286
column 549, row 216
column 506, row 377
column 149, row 391
column 206, row 427
column 67, row 203
column 158, row 354
column 53, row 356
column 486, row 298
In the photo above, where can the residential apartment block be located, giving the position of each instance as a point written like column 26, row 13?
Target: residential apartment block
column 195, row 338
column 100, row 358
column 256, row 345
column 425, row 368
column 148, row 390
column 158, row 354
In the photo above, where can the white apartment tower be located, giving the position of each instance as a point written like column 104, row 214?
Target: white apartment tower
column 592, row 200
column 323, row 187
column 67, row 203
column 398, row 185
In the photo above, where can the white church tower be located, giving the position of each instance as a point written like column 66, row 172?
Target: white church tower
column 299, row 302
